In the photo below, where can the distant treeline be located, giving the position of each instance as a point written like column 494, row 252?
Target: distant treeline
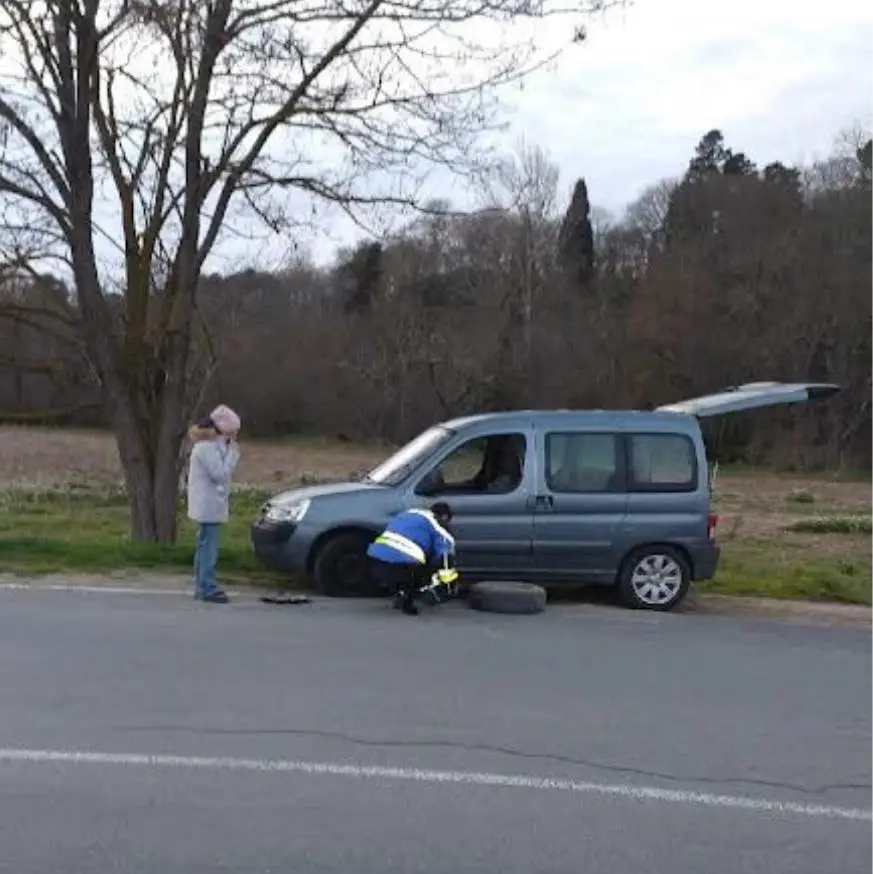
column 733, row 273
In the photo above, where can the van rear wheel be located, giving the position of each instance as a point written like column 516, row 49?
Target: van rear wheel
column 654, row 578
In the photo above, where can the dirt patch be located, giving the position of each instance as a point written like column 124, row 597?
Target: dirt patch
column 275, row 465
column 44, row 457
column 762, row 504
column 771, row 491
column 757, row 512
column 47, row 457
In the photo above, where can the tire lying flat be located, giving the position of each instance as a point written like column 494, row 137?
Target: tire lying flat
column 516, row 598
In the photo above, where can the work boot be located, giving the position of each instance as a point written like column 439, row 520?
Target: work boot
column 216, row 597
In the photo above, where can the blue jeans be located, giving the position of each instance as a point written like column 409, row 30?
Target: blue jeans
column 206, row 558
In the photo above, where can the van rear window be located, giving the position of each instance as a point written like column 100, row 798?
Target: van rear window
column 662, row 463
column 583, row 462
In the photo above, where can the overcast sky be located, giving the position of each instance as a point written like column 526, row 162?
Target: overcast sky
column 627, row 107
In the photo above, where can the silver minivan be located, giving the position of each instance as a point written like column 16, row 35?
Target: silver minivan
column 611, row 498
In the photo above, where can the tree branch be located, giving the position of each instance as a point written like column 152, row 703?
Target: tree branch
column 236, row 170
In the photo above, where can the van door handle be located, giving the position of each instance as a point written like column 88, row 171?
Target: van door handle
column 541, row 502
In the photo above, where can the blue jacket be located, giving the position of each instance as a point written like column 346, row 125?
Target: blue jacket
column 413, row 537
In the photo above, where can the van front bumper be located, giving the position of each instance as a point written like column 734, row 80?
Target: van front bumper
column 280, row 545
column 704, row 560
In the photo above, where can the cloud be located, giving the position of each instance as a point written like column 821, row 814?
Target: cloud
column 628, row 106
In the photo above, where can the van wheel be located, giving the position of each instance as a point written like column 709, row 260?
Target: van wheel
column 342, row 568
column 654, row 578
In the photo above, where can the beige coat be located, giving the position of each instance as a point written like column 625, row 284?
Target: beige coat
column 210, row 470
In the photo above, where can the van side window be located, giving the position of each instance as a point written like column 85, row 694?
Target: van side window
column 489, row 465
column 662, row 463
column 582, row 462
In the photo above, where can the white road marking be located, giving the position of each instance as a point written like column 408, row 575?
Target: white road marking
column 464, row 778
column 97, row 590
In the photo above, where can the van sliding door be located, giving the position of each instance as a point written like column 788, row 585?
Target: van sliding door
column 580, row 505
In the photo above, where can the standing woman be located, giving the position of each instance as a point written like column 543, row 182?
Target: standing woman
column 214, row 457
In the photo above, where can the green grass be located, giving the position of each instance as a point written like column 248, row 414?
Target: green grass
column 82, row 529
column 833, row 525
column 770, row 569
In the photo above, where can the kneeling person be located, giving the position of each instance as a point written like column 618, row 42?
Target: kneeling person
column 413, row 546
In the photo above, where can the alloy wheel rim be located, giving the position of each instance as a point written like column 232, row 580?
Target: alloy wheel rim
column 657, row 579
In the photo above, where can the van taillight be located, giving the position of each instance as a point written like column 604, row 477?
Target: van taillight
column 711, row 524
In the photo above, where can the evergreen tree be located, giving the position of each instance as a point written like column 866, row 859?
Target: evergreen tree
column 363, row 276
column 576, row 237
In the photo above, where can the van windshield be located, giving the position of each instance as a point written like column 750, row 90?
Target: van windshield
column 392, row 471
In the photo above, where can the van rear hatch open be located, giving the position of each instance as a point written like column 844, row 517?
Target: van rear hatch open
column 751, row 396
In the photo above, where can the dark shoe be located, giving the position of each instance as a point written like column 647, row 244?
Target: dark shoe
column 218, row 597
column 397, row 603
column 410, row 609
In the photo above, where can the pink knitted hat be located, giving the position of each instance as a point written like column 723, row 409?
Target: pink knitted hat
column 225, row 419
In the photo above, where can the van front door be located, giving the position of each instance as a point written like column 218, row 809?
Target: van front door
column 486, row 481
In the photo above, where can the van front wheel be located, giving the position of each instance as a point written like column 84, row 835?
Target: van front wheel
column 341, row 567
column 654, row 578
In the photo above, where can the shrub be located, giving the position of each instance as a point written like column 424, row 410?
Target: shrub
column 800, row 496
column 833, row 525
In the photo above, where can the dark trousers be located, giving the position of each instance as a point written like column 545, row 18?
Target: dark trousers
column 402, row 580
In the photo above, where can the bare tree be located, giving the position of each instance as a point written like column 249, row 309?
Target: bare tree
column 160, row 126
column 649, row 211
column 840, row 170
column 524, row 185
column 602, row 222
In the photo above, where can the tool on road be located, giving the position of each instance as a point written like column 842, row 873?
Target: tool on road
column 444, row 585
column 285, row 598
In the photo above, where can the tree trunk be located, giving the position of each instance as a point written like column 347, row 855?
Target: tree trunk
column 153, row 492
column 151, row 475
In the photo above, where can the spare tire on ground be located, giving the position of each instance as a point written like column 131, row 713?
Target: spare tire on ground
column 498, row 597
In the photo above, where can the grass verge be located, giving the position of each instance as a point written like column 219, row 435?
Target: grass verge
column 84, row 529
column 792, row 569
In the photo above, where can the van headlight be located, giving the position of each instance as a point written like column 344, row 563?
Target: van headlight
column 292, row 511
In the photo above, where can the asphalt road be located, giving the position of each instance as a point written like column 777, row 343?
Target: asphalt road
column 146, row 733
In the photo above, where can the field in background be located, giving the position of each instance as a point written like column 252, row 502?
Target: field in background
column 62, row 508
